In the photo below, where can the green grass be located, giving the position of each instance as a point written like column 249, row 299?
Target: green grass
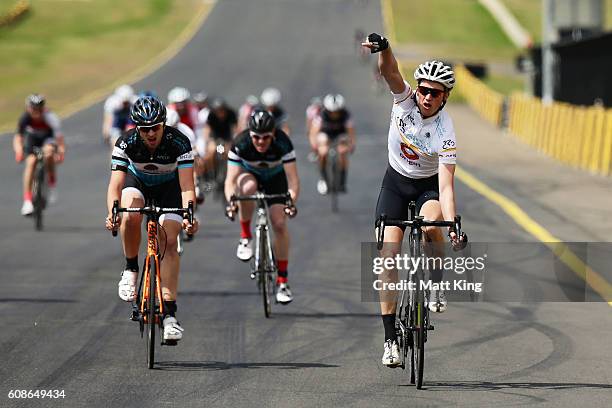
column 458, row 29
column 66, row 49
column 529, row 14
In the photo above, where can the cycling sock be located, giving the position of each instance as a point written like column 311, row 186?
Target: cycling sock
column 170, row 308
column 27, row 196
column 389, row 323
column 282, row 271
column 436, row 275
column 131, row 264
column 245, row 229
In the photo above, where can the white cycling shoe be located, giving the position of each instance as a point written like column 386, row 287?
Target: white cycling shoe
column 27, row 208
column 437, row 301
column 244, row 252
column 283, row 294
column 172, row 329
column 322, row 187
column 127, row 285
column 391, row 356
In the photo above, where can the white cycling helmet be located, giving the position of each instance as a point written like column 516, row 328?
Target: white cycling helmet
column 178, row 94
column 270, row 97
column 172, row 118
column 333, row 103
column 436, row 71
column 124, row 93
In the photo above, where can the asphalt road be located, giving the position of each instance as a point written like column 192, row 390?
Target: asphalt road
column 63, row 327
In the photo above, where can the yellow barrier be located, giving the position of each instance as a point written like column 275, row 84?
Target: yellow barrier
column 18, row 10
column 484, row 100
column 577, row 135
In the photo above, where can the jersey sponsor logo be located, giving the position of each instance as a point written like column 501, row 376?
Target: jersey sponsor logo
column 411, row 119
column 447, row 144
column 408, row 152
column 151, row 167
column 123, row 145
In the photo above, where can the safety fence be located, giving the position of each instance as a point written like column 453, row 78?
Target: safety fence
column 576, row 135
column 20, row 8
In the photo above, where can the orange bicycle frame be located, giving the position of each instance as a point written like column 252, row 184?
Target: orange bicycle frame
column 152, row 251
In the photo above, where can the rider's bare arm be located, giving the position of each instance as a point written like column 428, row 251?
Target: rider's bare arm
column 293, row 180
column 115, row 185
column 185, row 176
column 350, row 131
column 446, row 176
column 314, row 131
column 233, row 171
column 389, row 69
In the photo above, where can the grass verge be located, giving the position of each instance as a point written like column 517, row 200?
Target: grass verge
column 68, row 49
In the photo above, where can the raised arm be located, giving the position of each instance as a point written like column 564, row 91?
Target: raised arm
column 387, row 64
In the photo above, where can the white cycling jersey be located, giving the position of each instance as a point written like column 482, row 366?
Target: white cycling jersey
column 416, row 145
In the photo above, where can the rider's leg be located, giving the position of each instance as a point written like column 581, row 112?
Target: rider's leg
column 281, row 239
column 28, row 170
column 49, row 154
column 322, row 150
column 131, row 222
column 343, row 160
column 246, row 185
column 171, row 223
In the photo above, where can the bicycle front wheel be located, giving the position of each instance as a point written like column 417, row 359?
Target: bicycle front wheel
column 38, row 196
column 419, row 343
column 151, row 312
column 264, row 274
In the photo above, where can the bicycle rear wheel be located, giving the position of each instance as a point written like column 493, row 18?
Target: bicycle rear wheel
column 334, row 178
column 264, row 275
column 151, row 313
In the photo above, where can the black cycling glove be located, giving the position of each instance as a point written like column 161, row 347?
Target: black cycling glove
column 380, row 43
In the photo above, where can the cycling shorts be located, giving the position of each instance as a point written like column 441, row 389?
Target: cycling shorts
column 167, row 194
column 276, row 184
column 39, row 139
column 397, row 191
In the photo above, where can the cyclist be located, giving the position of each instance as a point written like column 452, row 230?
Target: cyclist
column 244, row 112
column 219, row 130
column 270, row 100
column 117, row 114
column 262, row 158
column 313, row 110
column 422, row 157
column 38, row 127
column 152, row 161
column 179, row 101
column 333, row 125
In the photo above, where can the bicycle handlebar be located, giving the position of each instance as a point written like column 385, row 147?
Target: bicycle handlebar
column 151, row 210
column 418, row 222
column 290, row 208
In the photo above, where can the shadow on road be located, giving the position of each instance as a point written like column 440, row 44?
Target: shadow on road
column 328, row 315
column 220, row 365
column 494, row 386
column 219, row 293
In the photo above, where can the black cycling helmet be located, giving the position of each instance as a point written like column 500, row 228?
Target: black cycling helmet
column 148, row 111
column 35, row 101
column 261, row 121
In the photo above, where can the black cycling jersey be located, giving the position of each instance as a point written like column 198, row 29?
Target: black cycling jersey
column 121, row 118
column 131, row 154
column 36, row 133
column 264, row 165
column 222, row 129
column 334, row 126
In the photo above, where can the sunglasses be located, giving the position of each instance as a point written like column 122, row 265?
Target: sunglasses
column 261, row 137
column 147, row 129
column 423, row 90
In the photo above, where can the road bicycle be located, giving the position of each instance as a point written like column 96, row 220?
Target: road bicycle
column 39, row 188
column 148, row 306
column 412, row 321
column 263, row 265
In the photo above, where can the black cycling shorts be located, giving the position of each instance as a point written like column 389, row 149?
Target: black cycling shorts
column 38, row 139
column 398, row 191
column 167, row 194
column 276, row 184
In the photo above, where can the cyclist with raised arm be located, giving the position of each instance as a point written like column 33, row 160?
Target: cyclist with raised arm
column 152, row 161
column 38, row 127
column 332, row 125
column 262, row 158
column 271, row 101
column 422, row 156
